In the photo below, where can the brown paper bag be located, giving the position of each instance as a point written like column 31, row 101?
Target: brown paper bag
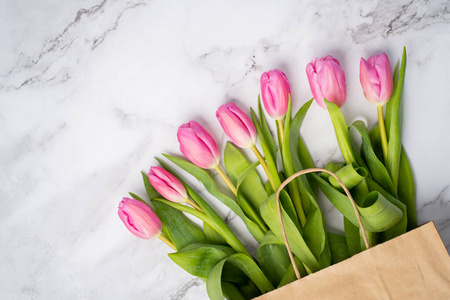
column 415, row 265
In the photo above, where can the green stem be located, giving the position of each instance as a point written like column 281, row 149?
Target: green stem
column 167, row 241
column 384, row 142
column 194, row 205
column 264, row 165
column 226, row 180
column 280, row 128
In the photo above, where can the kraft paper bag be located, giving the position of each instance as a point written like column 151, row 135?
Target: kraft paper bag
column 415, row 265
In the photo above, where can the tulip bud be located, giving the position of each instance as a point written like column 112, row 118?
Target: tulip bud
column 198, row 145
column 376, row 79
column 167, row 185
column 275, row 92
column 139, row 218
column 327, row 80
column 237, row 125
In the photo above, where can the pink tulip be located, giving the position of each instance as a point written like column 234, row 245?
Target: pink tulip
column 376, row 79
column 275, row 92
column 237, row 125
column 139, row 218
column 327, row 80
column 167, row 185
column 198, row 145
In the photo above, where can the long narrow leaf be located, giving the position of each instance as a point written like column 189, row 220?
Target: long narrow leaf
column 246, row 265
column 306, row 161
column 266, row 130
column 352, row 237
column 199, row 259
column 399, row 228
column 180, row 230
column 342, row 135
column 298, row 245
column 273, row 258
column 212, row 235
column 407, row 190
column 377, row 217
column 395, row 125
column 220, row 226
column 390, row 104
column 378, row 170
column 267, row 149
column 300, row 157
column 210, row 186
column 250, row 186
column 286, row 158
column 290, row 276
column 338, row 248
column 351, row 175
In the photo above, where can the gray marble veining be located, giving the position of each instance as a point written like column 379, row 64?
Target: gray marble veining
column 91, row 91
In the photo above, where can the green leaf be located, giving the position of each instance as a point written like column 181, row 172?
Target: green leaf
column 247, row 289
column 210, row 186
column 407, row 190
column 315, row 235
column 375, row 139
column 266, row 141
column 376, row 167
column 213, row 236
column 378, row 216
column 289, row 208
column 306, row 161
column 390, row 104
column 395, row 123
column 341, row 131
column 298, row 245
column 289, row 168
column 246, row 265
column 266, row 130
column 250, row 211
column 180, row 230
column 333, row 167
column 231, row 292
column 338, row 248
column 350, row 156
column 199, row 259
column 251, row 186
column 352, row 237
column 220, row 226
column 342, row 135
column 290, row 276
column 350, row 175
column 134, row 196
column 399, row 228
column 314, row 232
column 273, row 258
column 301, row 159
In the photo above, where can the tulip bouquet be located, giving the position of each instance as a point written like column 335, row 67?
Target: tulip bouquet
column 378, row 176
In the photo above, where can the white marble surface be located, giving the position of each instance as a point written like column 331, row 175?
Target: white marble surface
column 91, row 91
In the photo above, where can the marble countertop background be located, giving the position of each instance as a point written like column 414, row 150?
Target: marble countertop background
column 91, row 91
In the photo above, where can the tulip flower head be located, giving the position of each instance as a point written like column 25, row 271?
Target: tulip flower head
column 275, row 90
column 198, row 146
column 139, row 218
column 167, row 185
column 376, row 79
column 327, row 80
column 237, row 125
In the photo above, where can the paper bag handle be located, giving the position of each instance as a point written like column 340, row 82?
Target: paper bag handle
column 306, row 171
